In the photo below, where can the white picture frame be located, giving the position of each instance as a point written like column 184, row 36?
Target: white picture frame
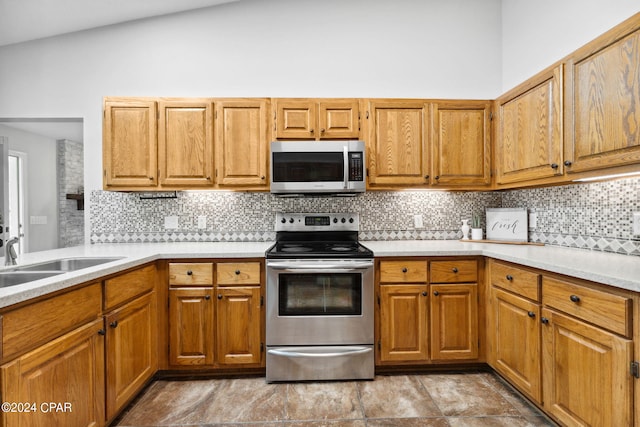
column 507, row 224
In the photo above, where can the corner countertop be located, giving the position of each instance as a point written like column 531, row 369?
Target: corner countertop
column 621, row 271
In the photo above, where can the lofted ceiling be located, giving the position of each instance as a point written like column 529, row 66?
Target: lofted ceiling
column 24, row 20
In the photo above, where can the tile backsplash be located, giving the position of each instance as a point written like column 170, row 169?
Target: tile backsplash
column 592, row 216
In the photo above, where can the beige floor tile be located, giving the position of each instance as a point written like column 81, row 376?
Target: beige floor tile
column 323, row 401
column 401, row 396
column 408, row 422
column 496, row 421
column 466, row 394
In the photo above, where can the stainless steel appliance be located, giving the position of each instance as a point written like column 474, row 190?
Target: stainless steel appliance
column 320, row 300
column 309, row 167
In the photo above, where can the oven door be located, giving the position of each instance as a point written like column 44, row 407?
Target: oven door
column 319, row 302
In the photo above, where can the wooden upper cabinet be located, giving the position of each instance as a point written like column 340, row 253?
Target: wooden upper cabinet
column 529, row 130
column 129, row 138
column 242, row 142
column 397, row 143
column 317, row 118
column 603, row 101
column 461, row 137
column 185, row 143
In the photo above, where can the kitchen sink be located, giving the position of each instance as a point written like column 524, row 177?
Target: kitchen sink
column 12, row 278
column 65, row 264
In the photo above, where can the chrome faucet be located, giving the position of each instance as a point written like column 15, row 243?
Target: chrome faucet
column 10, row 254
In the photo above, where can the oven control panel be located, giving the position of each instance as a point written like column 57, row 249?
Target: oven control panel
column 317, row 221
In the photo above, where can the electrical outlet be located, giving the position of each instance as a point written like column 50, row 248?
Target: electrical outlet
column 417, row 221
column 533, row 220
column 171, row 222
column 636, row 223
column 202, row 222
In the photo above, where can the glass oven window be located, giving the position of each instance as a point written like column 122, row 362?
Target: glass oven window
column 337, row 294
column 308, row 167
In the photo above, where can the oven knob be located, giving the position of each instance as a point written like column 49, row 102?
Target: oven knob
column 343, row 220
column 335, row 220
column 350, row 220
column 291, row 220
column 283, row 220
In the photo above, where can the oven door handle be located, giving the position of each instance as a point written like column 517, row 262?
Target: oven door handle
column 325, row 268
column 301, row 353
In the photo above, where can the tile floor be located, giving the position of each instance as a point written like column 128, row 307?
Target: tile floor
column 458, row 399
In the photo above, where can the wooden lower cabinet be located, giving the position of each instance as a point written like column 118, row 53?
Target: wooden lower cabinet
column 238, row 326
column 454, row 321
column 586, row 373
column 191, row 326
column 403, row 323
column 62, row 382
column 131, row 350
column 514, row 328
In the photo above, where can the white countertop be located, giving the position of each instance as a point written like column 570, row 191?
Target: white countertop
column 622, row 271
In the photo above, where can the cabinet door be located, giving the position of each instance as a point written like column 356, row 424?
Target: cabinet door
column 529, row 133
column 238, row 326
column 295, row 119
column 129, row 143
column 191, row 326
column 586, row 373
column 185, row 143
column 131, row 350
column 397, row 144
column 242, row 142
column 403, row 323
column 461, row 143
column 68, row 371
column 454, row 322
column 603, row 95
column 339, row 119
column 515, row 335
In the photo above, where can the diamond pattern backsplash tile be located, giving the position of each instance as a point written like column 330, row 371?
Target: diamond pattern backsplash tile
column 594, row 216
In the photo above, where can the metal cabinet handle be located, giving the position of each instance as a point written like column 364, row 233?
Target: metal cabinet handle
column 437, row 177
column 436, row 293
column 207, row 297
column 219, row 296
column 262, row 177
column 568, row 163
column 531, row 314
column 102, row 332
column 189, row 272
column 310, row 130
column 404, row 269
column 237, row 272
column 114, row 324
column 544, row 320
column 554, row 166
column 424, row 294
column 426, row 177
column 509, row 277
column 574, row 298
column 322, row 130
column 455, row 269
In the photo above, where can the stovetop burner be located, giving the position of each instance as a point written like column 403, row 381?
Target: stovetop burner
column 317, row 236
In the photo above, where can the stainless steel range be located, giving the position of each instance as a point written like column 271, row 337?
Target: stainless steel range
column 320, row 300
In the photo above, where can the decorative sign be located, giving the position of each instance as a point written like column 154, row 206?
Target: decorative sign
column 509, row 224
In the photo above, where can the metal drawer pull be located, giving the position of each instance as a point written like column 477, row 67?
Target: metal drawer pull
column 301, row 353
column 404, row 269
column 436, row 293
column 189, row 272
column 574, row 298
column 114, row 324
column 544, row 320
column 509, row 277
column 455, row 270
column 237, row 271
column 531, row 314
column 424, row 294
column 219, row 296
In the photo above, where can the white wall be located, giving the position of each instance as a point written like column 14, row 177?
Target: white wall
column 537, row 33
column 324, row 48
column 41, row 188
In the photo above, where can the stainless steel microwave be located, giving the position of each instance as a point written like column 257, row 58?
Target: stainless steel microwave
column 307, row 167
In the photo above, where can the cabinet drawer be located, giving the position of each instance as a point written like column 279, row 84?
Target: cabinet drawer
column 27, row 327
column 608, row 311
column 128, row 286
column 403, row 271
column 514, row 279
column 238, row 273
column 454, row 271
column 191, row 273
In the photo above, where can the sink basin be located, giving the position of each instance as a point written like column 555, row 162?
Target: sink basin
column 65, row 264
column 12, row 278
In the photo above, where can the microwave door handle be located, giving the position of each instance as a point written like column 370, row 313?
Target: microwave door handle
column 346, row 167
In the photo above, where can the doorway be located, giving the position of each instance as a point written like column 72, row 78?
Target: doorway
column 16, row 225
